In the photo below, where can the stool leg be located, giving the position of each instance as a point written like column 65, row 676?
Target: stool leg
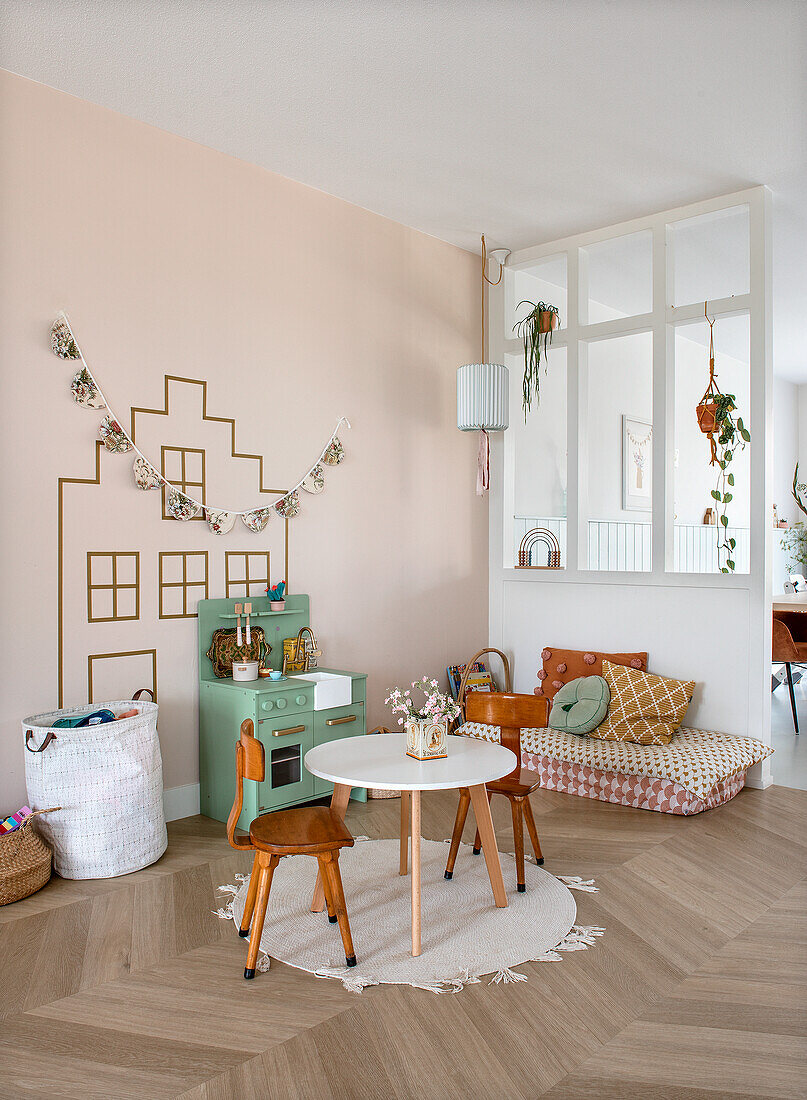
column 404, row 862
column 536, row 844
column 477, row 838
column 331, row 869
column 249, row 905
column 264, row 886
column 328, row 892
column 518, row 838
column 792, row 697
column 459, row 825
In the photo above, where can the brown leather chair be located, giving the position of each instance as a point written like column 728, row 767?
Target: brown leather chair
column 790, row 647
column 307, row 830
column 511, row 713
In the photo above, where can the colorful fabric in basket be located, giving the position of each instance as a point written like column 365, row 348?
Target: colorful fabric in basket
column 697, row 760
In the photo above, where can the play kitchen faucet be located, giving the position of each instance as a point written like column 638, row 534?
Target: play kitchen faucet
column 301, row 654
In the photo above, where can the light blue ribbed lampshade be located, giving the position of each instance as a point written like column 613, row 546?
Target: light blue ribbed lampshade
column 483, row 397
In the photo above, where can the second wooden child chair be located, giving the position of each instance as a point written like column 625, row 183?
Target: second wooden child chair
column 511, row 713
column 306, row 830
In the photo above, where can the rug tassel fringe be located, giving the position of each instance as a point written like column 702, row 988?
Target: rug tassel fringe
column 578, row 938
column 574, row 882
column 506, row 975
column 353, row 984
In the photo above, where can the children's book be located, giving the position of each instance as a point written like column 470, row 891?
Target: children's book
column 479, row 678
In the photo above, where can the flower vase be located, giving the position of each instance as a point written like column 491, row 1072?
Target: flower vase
column 426, row 738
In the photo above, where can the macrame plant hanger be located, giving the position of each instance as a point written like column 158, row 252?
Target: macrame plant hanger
column 706, row 415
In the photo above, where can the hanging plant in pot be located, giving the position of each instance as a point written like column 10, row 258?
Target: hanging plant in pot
column 536, row 331
column 727, row 435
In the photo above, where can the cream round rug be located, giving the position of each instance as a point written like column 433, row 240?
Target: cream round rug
column 464, row 936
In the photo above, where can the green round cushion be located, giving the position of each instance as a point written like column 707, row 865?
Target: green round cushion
column 581, row 705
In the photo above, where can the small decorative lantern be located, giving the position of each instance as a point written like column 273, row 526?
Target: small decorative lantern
column 426, row 738
column 483, row 390
column 483, row 397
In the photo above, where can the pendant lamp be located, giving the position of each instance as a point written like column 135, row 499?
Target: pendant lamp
column 483, row 389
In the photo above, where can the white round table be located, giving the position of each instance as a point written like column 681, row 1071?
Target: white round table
column 380, row 760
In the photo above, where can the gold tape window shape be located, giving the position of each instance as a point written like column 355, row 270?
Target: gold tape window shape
column 184, row 580
column 246, row 574
column 185, row 468
column 113, row 586
column 128, row 676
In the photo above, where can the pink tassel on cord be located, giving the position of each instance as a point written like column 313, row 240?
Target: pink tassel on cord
column 483, row 464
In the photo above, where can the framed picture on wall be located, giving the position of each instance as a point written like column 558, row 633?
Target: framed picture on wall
column 637, row 463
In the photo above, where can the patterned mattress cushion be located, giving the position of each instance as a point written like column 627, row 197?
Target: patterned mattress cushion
column 697, row 760
column 662, row 795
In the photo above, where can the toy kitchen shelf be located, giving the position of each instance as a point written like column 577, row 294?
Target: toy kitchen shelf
column 283, row 713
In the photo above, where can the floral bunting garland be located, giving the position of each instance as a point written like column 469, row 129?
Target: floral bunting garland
column 87, row 393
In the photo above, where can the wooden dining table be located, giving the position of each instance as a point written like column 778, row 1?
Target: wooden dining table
column 790, row 601
column 379, row 760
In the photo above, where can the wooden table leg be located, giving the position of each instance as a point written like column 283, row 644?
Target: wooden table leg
column 484, row 823
column 416, row 872
column 405, row 811
column 339, row 801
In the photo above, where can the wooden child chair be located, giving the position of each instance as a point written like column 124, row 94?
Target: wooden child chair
column 306, row 830
column 511, row 713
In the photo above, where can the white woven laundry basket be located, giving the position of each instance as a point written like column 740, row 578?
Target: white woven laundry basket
column 108, row 781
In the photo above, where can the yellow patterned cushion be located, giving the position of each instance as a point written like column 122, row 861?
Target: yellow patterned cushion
column 644, row 709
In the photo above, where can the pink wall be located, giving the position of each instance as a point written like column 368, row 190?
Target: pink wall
column 172, row 258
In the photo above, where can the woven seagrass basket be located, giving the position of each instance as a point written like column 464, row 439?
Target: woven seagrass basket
column 376, row 792
column 25, row 862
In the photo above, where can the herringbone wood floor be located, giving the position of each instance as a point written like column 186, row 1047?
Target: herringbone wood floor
column 133, row 988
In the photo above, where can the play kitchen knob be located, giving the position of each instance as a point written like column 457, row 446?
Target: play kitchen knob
column 281, row 704
column 300, row 700
column 267, row 705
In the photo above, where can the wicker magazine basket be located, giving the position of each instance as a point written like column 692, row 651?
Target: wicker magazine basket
column 25, row 862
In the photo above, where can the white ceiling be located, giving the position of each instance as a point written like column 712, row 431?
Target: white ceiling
column 525, row 119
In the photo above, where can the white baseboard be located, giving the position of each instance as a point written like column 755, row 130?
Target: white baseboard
column 181, row 801
column 759, row 776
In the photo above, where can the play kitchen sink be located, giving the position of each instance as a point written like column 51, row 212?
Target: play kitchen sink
column 330, row 688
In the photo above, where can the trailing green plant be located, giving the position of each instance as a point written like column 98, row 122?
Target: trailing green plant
column 536, row 331
column 730, row 436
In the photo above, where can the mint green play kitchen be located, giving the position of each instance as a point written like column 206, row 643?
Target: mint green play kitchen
column 291, row 715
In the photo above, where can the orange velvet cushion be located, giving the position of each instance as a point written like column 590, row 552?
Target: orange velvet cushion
column 561, row 666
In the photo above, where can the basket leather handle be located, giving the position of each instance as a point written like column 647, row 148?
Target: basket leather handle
column 140, row 691
column 51, row 736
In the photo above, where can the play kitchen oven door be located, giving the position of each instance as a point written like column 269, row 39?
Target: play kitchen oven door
column 285, row 742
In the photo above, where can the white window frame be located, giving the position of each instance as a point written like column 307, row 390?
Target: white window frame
column 662, row 322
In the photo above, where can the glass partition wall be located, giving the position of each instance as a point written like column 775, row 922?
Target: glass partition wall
column 613, row 463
